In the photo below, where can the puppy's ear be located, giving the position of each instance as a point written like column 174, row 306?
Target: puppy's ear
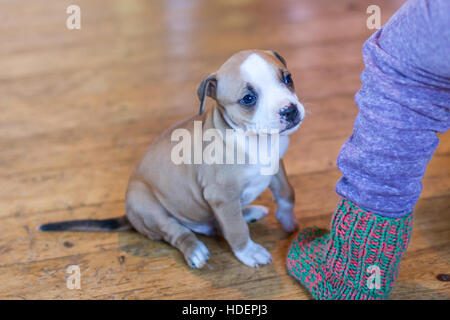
column 279, row 57
column 208, row 88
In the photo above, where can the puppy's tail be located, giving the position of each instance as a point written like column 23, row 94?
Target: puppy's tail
column 115, row 224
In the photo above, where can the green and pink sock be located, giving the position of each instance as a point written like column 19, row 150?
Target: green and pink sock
column 358, row 259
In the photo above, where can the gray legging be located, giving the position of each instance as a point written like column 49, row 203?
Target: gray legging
column 403, row 102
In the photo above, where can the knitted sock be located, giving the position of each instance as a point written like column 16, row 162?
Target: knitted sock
column 358, row 259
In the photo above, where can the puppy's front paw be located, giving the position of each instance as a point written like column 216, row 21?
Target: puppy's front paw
column 253, row 254
column 197, row 255
column 285, row 215
column 288, row 220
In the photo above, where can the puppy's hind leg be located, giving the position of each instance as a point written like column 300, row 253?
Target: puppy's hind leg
column 148, row 217
column 254, row 213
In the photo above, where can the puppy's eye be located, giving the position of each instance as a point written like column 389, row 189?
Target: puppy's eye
column 248, row 100
column 287, row 79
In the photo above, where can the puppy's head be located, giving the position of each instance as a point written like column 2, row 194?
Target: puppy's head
column 254, row 91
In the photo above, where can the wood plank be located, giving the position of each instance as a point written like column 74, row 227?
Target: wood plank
column 79, row 108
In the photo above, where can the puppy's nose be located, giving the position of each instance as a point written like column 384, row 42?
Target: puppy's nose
column 290, row 113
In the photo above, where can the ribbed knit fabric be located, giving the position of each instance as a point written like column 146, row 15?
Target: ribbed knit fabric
column 404, row 100
column 357, row 260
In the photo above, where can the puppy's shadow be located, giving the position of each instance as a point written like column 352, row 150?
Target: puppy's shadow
column 223, row 270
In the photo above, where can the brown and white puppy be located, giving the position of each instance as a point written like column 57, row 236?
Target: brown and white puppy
column 170, row 201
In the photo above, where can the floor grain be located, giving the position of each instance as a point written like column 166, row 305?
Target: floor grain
column 78, row 109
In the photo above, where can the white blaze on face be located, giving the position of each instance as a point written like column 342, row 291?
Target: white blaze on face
column 273, row 95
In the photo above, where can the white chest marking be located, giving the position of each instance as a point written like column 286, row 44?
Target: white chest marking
column 255, row 182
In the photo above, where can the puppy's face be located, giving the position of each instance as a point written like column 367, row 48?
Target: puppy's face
column 255, row 91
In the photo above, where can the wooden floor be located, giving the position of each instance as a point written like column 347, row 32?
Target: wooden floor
column 79, row 107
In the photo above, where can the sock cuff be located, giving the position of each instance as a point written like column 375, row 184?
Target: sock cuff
column 364, row 251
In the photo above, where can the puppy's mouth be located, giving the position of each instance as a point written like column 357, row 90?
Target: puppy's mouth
column 291, row 127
